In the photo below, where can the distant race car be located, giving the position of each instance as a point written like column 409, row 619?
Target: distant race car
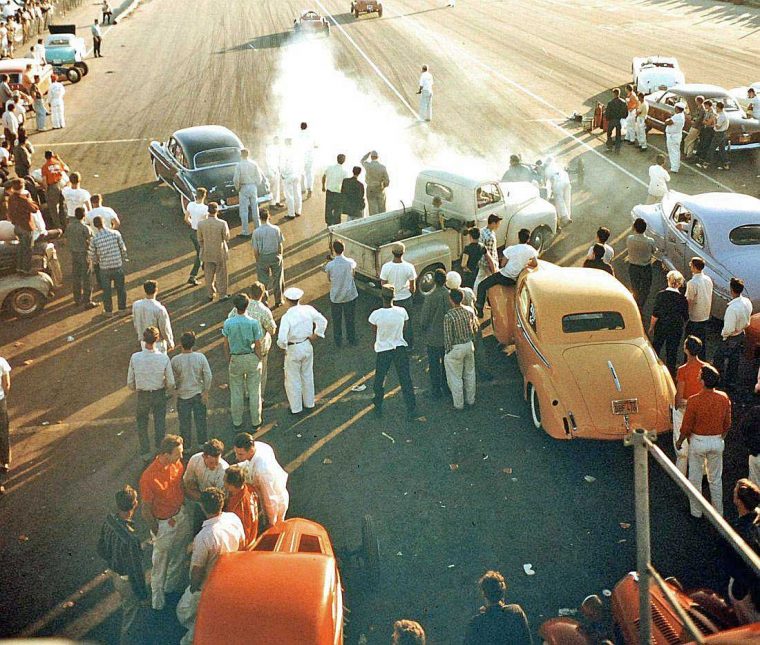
column 64, row 49
column 359, row 7
column 652, row 73
column 311, row 23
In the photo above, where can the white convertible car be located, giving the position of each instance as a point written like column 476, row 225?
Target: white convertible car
column 652, row 73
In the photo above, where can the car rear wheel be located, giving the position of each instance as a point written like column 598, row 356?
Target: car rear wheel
column 535, row 406
column 82, row 67
column 26, row 302
column 425, row 281
column 73, row 75
column 540, row 238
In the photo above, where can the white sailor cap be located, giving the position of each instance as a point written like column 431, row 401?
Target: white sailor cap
column 293, row 293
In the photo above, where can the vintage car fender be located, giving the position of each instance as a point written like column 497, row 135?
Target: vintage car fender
column 534, row 215
column 430, row 254
column 40, row 282
column 563, row 631
column 551, row 415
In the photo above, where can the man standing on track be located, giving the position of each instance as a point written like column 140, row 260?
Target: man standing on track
column 615, row 112
column 332, row 185
column 247, row 179
column 97, row 39
column 52, row 180
column 268, row 250
column 195, row 213
column 632, row 103
column 692, row 136
column 376, row 178
column 426, row 95
column 307, row 146
column 56, row 93
column 149, row 312
column 641, row 121
column 673, row 135
column 291, row 169
column 402, row 276
column 213, row 235
column 641, row 249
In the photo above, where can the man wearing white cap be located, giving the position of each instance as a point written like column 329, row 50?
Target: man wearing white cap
column 673, row 135
column 56, row 92
column 298, row 327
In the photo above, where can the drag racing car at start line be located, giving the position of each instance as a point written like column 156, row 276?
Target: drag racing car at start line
column 311, row 23
column 359, row 7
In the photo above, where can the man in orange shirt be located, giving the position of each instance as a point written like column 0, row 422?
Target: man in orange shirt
column 705, row 424
column 242, row 501
column 170, row 527
column 632, row 103
column 52, row 180
column 688, row 383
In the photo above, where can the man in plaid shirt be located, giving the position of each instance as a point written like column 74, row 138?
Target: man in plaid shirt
column 108, row 251
column 460, row 327
column 489, row 261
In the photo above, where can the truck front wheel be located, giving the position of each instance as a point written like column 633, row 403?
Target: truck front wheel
column 425, row 281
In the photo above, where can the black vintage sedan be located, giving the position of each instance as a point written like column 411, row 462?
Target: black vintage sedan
column 203, row 155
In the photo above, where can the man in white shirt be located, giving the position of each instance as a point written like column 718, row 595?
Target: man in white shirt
column 291, row 170
column 720, row 137
column 97, row 39
column 272, row 158
column 602, row 235
column 204, row 469
column 10, row 124
column 402, row 276
column 391, row 349
column 562, row 195
column 300, row 325
column 332, row 182
column 307, row 146
column 110, row 219
column 658, row 181
column 74, row 196
column 673, row 135
column 247, row 178
column 264, row 473
column 220, row 533
column 699, row 292
column 5, row 440
column 516, row 258
column 150, row 375
column 753, row 101
column 149, row 312
column 426, row 94
column 56, row 92
column 39, row 52
column 196, row 212
column 735, row 322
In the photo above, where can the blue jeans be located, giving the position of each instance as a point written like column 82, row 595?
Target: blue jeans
column 249, row 200
column 720, row 144
column 113, row 279
column 197, row 247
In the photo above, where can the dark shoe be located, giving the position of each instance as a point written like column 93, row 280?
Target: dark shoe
column 243, row 236
column 377, row 411
column 210, row 298
column 77, row 302
column 227, row 297
column 193, row 281
column 91, row 305
column 298, row 214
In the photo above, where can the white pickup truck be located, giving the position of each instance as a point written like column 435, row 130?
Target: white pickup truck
column 435, row 233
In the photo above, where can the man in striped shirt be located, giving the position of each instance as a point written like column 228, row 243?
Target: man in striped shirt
column 108, row 251
column 460, row 326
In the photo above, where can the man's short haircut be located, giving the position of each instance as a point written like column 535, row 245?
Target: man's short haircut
column 598, row 250
column 187, row 340
column 79, row 213
column 96, row 198
column 456, row 295
column 493, row 586
column 474, row 233
column 264, row 214
column 213, row 207
column 151, row 335
column 639, row 225
column 523, row 235
column 338, row 247
column 603, row 234
column 150, row 287
column 304, row 125
column 169, row 443
column 439, row 277
column 234, row 476
column 737, row 285
column 243, row 440
column 408, row 632
column 616, row 92
column 341, row 158
column 126, row 499
column 710, row 376
column 200, row 192
column 699, row 263
column 213, row 448
column 748, row 493
column 257, row 290
column 720, row 104
column 493, row 218
column 244, row 153
column 97, row 221
column 693, row 345
column 241, row 301
column 212, row 501
column 357, row 170
column 48, row 153
column 388, row 293
column 660, row 159
column 74, row 177
column 629, row 88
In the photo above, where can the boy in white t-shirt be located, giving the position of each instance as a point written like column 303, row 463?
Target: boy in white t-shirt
column 75, row 196
column 194, row 213
column 108, row 215
column 402, row 276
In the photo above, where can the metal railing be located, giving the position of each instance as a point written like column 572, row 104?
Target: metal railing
column 643, row 445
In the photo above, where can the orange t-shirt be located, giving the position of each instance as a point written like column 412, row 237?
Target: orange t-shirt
column 632, row 102
column 707, row 413
column 244, row 504
column 161, row 487
column 689, row 373
column 52, row 171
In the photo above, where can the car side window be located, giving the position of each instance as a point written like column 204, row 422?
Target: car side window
column 179, row 155
column 670, row 98
column 527, row 308
column 681, row 218
column 698, row 233
column 487, row 195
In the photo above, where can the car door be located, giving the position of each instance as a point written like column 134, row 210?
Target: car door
column 159, row 153
column 490, row 201
column 526, row 342
column 677, row 231
column 661, row 109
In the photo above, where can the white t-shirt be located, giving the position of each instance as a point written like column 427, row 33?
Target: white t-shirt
column 334, row 176
column 390, row 327
column 518, row 257
column 658, row 180
column 721, row 122
column 399, row 274
column 197, row 212
column 754, row 103
column 5, row 154
column 677, row 126
column 609, row 253
column 699, row 292
column 426, row 82
column 5, row 368
column 74, row 198
column 108, row 215
column 220, row 534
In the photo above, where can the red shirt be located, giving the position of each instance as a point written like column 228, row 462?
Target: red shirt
column 689, row 374
column 707, row 413
column 244, row 504
column 52, row 170
column 161, row 487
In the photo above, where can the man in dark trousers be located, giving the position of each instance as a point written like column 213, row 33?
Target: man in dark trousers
column 120, row 547
column 20, row 210
column 78, row 236
column 497, row 622
column 434, row 308
column 615, row 112
column 352, row 192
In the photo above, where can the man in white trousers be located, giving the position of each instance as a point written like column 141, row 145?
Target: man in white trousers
column 247, row 179
column 291, row 170
column 56, row 93
column 300, row 325
column 562, row 193
column 426, row 94
column 641, row 121
column 632, row 103
column 673, row 135
column 460, row 328
column 307, row 146
column 272, row 158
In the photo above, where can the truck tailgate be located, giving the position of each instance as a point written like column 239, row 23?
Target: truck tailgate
column 364, row 255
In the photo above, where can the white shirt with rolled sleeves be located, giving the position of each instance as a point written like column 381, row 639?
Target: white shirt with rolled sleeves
column 334, row 176
column 299, row 323
column 149, row 312
column 658, row 180
column 518, row 257
column 269, row 479
column 108, row 215
column 192, row 374
column 721, row 122
column 74, row 198
column 202, row 476
column 699, row 291
column 389, row 322
column 150, row 370
column 678, row 119
column 223, row 533
column 736, row 318
column 399, row 274
column 197, row 212
column 426, row 82
column 10, row 122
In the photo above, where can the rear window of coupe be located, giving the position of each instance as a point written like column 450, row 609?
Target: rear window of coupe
column 592, row 321
column 745, row 235
column 216, row 157
column 433, row 189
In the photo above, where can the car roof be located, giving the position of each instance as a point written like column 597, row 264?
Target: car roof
column 453, row 179
column 206, row 137
column 720, row 213
column 695, row 89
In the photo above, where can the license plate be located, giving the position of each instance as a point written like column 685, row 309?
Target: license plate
column 625, row 406
column 744, row 138
column 57, row 62
column 233, row 201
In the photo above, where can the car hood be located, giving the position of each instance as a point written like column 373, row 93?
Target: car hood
column 595, row 386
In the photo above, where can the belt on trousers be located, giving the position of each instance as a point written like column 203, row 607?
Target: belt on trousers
column 242, row 354
column 298, row 342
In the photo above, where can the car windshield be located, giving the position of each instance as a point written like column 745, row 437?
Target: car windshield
column 745, row 235
column 650, row 64
column 216, row 157
column 592, row 321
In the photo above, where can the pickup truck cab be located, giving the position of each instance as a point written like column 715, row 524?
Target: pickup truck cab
column 434, row 233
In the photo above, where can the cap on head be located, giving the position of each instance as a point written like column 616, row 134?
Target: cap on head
column 681, row 106
column 293, row 293
column 514, row 159
column 493, row 218
column 453, row 280
column 374, row 154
